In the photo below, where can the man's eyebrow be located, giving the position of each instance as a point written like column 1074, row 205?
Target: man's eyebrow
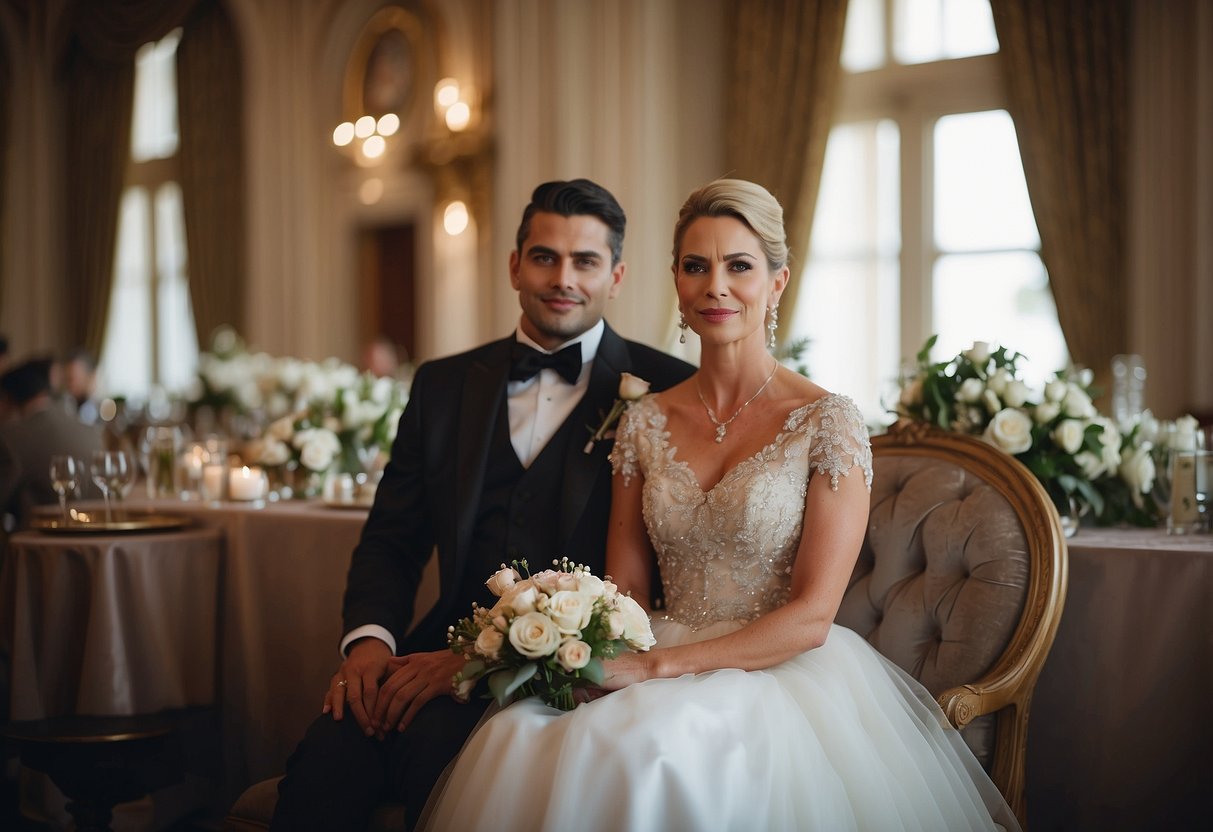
column 538, row 249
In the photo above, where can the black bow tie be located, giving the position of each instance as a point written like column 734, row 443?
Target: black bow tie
column 525, row 362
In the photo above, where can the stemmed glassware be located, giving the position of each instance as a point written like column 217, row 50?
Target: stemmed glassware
column 110, row 471
column 66, row 473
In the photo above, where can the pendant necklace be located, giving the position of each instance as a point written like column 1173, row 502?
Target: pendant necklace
column 721, row 427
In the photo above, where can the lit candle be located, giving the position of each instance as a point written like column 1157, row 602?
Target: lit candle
column 246, row 483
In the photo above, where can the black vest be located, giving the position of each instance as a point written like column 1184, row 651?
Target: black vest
column 518, row 513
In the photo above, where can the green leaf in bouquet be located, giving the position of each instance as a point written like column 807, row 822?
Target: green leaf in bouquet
column 502, row 684
column 924, row 354
column 1091, row 494
column 593, row 672
column 472, row 668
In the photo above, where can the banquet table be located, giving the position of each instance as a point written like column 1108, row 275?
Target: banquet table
column 1121, row 729
column 110, row 625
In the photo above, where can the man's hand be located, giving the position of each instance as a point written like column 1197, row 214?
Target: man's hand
column 415, row 679
column 356, row 682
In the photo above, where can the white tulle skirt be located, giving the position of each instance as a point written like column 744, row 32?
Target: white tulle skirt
column 835, row 739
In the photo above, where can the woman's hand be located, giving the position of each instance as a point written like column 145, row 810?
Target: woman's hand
column 628, row 669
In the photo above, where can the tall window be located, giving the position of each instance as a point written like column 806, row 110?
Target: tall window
column 923, row 223
column 149, row 337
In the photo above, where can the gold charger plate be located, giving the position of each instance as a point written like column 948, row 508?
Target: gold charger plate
column 93, row 522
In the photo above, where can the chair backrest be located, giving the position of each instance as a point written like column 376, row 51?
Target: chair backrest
column 960, row 582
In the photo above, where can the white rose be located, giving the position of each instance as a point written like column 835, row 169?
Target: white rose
column 1046, row 412
column 1068, row 434
column 573, row 654
column 590, row 586
column 1137, row 470
column 274, row 452
column 632, row 387
column 971, row 390
column 570, row 611
column 1148, row 429
column 1086, row 377
column 502, row 579
column 614, row 624
column 488, row 643
column 998, row 381
column 990, row 399
column 1010, row 430
column 547, row 580
column 1077, row 403
column 525, row 602
column 609, row 590
column 979, row 353
column 1091, row 465
column 1110, row 450
column 636, row 629
column 1016, row 394
column 534, row 635
column 316, row 455
column 1055, row 390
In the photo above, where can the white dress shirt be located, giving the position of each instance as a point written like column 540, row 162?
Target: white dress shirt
column 537, row 408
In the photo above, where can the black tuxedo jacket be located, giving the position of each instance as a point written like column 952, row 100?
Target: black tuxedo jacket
column 430, row 492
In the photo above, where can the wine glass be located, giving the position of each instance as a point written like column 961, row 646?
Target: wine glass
column 66, row 473
column 109, row 470
column 124, row 480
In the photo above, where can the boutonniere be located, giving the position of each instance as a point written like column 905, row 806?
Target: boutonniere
column 631, row 388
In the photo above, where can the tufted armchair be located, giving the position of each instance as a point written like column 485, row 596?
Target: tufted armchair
column 960, row 582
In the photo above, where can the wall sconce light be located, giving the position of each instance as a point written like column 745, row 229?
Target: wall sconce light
column 451, row 106
column 367, row 136
column 455, row 218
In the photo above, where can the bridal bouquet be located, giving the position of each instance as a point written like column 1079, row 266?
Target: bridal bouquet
column 547, row 634
column 1078, row 455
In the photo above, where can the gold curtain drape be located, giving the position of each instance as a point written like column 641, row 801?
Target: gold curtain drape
column 99, row 70
column 1066, row 63
column 784, row 75
column 210, row 110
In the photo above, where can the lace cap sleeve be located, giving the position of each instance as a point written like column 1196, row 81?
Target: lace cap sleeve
column 841, row 441
column 625, row 456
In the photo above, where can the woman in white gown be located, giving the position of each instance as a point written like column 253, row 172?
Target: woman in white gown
column 747, row 488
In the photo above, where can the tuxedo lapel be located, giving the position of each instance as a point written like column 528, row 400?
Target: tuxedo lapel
column 581, row 470
column 483, row 392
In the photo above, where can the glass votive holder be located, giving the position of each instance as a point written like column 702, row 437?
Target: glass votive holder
column 193, row 459
column 214, row 481
column 248, row 484
column 1187, row 475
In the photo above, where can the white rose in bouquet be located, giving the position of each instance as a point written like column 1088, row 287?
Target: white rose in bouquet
column 979, row 353
column 990, row 399
column 998, row 381
column 1138, row 471
column 591, row 585
column 573, row 654
column 971, row 390
column 637, row 631
column 1010, row 430
column 534, row 635
column 273, row 452
column 570, row 610
column 1056, row 390
column 318, row 448
column 1110, row 441
column 615, row 624
column 502, row 580
column 1068, row 434
column 1077, row 404
column 1016, row 394
column 1046, row 412
column 1092, row 466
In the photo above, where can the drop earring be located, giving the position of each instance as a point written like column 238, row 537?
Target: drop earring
column 772, row 324
column 682, row 324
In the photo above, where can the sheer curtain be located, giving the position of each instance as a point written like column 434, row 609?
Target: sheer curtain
column 1066, row 65
column 784, row 76
column 99, row 72
column 211, row 115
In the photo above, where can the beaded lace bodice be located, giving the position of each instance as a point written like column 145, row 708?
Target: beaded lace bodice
column 727, row 553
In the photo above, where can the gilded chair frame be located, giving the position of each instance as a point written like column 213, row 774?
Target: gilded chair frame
column 1006, row 688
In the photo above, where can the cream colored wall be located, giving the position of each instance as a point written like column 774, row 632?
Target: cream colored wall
column 627, row 92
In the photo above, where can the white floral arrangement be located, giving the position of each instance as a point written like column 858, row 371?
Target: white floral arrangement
column 547, row 634
column 347, row 425
column 1079, row 455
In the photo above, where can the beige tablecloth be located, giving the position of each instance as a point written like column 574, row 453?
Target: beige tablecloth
column 1121, row 730
column 110, row 625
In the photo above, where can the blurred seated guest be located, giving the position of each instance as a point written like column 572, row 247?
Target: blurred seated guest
column 39, row 431
column 380, row 357
column 80, row 384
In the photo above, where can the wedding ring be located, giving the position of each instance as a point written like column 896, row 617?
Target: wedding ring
column 343, row 683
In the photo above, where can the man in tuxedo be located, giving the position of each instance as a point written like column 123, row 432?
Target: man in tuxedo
column 488, row 466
